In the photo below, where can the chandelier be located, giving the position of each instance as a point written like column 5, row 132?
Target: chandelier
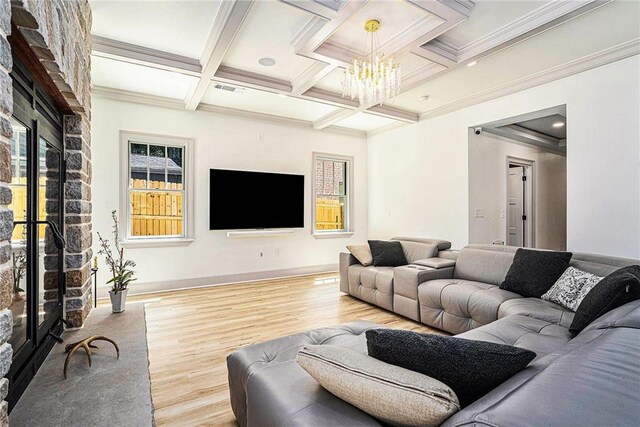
column 373, row 79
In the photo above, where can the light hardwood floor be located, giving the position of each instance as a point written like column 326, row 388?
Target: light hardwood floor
column 190, row 333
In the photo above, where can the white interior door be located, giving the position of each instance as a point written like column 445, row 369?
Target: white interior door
column 515, row 190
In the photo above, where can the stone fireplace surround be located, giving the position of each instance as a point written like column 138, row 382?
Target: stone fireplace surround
column 55, row 34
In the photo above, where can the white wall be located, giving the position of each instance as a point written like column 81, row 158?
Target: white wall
column 418, row 174
column 222, row 141
column 488, row 190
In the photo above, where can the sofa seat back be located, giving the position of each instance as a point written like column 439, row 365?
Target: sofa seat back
column 484, row 263
column 418, row 249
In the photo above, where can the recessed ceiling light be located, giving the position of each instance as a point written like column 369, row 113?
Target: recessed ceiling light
column 558, row 124
column 472, row 63
column 267, row 62
column 424, row 97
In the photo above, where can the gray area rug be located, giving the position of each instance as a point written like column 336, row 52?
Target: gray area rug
column 113, row 392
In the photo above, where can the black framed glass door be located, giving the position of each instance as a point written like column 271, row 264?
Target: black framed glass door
column 37, row 245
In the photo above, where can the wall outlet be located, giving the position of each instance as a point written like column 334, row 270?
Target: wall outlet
column 479, row 213
column 260, row 254
column 502, row 213
column 277, row 252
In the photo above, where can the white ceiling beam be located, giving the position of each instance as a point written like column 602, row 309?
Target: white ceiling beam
column 541, row 19
column 333, row 118
column 311, row 77
column 315, row 8
column 333, row 98
column 249, row 79
column 140, row 55
column 225, row 27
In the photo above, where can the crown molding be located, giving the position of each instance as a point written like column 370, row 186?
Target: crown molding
column 384, row 128
column 176, row 104
column 598, row 59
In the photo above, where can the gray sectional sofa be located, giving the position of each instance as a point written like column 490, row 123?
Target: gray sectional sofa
column 590, row 379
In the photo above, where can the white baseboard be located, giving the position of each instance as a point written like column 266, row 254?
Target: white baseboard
column 228, row 279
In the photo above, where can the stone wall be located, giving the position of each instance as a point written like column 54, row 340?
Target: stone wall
column 58, row 33
column 6, row 216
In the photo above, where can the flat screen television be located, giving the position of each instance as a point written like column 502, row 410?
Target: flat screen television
column 241, row 200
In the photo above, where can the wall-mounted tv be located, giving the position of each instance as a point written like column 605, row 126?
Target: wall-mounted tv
column 240, row 200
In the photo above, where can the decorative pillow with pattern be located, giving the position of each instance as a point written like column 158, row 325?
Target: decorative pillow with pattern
column 571, row 288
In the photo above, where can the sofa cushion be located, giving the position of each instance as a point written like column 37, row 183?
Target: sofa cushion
column 362, row 254
column 457, row 306
column 591, row 381
column 571, row 288
column 387, row 254
column 533, row 273
column 522, row 331
column 414, row 251
column 265, row 382
column 390, row 393
column 470, row 368
column 618, row 288
column 539, row 309
column 372, row 284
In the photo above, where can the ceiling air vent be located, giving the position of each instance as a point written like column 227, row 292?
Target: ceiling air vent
column 228, row 88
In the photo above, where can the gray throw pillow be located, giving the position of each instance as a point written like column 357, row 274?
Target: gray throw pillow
column 362, row 253
column 392, row 394
column 571, row 288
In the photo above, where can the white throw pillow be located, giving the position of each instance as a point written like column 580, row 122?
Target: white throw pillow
column 390, row 393
column 362, row 254
column 571, row 288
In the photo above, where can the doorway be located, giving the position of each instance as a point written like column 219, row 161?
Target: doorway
column 520, row 203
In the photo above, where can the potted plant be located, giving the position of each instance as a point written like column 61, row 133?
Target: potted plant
column 121, row 269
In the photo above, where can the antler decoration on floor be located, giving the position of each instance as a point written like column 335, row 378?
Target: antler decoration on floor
column 87, row 345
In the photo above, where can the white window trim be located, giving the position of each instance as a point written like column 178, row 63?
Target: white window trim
column 328, row 234
column 188, row 209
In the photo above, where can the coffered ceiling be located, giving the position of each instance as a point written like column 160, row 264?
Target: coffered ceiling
column 204, row 54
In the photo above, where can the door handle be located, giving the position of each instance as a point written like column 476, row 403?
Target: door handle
column 58, row 238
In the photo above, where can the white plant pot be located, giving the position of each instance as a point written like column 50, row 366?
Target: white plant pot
column 118, row 300
column 17, row 308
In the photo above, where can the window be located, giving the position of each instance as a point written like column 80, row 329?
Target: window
column 332, row 194
column 156, row 202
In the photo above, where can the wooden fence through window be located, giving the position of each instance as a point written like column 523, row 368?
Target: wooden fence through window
column 156, row 213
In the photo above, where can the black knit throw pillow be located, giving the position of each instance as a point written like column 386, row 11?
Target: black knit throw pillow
column 387, row 254
column 615, row 290
column 533, row 273
column 471, row 368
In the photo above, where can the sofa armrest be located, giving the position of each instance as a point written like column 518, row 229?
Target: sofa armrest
column 436, row 262
column 346, row 259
